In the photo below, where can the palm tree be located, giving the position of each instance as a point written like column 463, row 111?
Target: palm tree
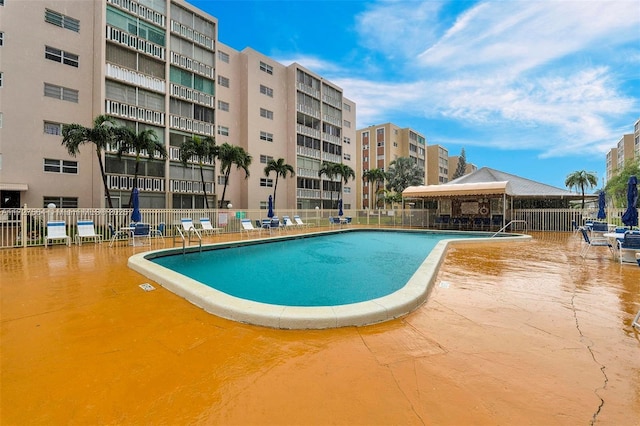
column 404, row 172
column 377, row 176
column 329, row 170
column 581, row 179
column 101, row 134
column 146, row 140
column 202, row 150
column 228, row 156
column 282, row 169
column 346, row 173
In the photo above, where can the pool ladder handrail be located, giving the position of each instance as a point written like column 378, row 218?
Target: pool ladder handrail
column 508, row 224
column 182, row 236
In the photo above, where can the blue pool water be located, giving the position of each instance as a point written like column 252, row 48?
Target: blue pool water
column 324, row 270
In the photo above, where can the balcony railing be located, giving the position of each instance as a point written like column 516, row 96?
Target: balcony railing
column 135, row 78
column 134, row 42
column 134, row 112
column 190, row 125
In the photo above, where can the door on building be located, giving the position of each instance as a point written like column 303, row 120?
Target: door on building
column 10, row 199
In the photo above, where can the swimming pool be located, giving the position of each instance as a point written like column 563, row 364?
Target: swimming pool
column 328, row 270
column 282, row 291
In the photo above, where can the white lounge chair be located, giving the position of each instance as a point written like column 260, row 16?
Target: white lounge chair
column 187, row 224
column 87, row 230
column 247, row 227
column 207, row 228
column 57, row 230
column 288, row 224
column 299, row 221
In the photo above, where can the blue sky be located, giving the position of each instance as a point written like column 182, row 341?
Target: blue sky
column 535, row 88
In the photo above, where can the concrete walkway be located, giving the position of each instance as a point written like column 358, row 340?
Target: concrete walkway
column 523, row 334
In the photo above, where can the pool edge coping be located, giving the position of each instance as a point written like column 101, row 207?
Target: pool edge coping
column 399, row 303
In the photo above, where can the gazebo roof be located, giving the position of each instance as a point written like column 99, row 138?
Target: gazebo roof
column 485, row 177
column 461, row 189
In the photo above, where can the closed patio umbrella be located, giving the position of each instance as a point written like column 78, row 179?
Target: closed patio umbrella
column 135, row 214
column 340, row 212
column 602, row 204
column 630, row 216
column 270, row 212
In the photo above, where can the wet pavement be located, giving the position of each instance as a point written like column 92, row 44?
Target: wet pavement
column 512, row 334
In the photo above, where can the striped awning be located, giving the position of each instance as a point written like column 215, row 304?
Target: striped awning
column 14, row 187
column 456, row 190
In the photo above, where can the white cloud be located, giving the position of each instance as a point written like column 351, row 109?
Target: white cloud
column 510, row 67
column 399, row 28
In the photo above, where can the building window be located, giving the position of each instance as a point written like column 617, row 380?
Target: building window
column 221, row 180
column 222, row 56
column 347, row 124
column 266, row 113
column 381, row 143
column 1, row 78
column 266, row 91
column 346, row 107
column 347, row 140
column 60, row 166
column 347, row 157
column 223, row 131
column 1, row 38
column 266, row 136
column 266, row 182
column 223, row 106
column 266, row 68
column 223, row 81
column 0, row 128
column 61, row 202
column 347, row 190
column 61, row 56
column 51, row 128
column 264, row 159
column 61, row 20
column 59, row 92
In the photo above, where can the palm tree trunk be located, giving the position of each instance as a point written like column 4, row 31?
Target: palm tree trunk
column 275, row 188
column 104, row 179
column 204, row 188
column 226, row 182
column 135, row 182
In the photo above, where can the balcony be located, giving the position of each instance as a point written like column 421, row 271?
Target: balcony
column 191, row 64
column 309, row 111
column 331, row 157
column 191, row 34
column 134, row 42
column 174, row 155
column 133, row 77
column 308, row 193
column 308, row 90
column 308, row 152
column 190, row 125
column 134, row 112
column 189, row 186
column 140, row 10
column 307, row 131
column 191, row 95
column 124, row 182
column 330, row 138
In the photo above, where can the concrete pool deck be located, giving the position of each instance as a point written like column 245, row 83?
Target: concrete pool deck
column 525, row 334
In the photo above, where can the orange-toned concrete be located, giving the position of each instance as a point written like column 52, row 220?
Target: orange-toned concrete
column 513, row 334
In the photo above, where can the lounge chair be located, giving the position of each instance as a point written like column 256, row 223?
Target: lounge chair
column 207, row 228
column 122, row 234
column 630, row 244
column 142, row 234
column 275, row 224
column 288, row 224
column 593, row 242
column 57, row 230
column 159, row 231
column 87, row 230
column 247, row 227
column 334, row 221
column 299, row 221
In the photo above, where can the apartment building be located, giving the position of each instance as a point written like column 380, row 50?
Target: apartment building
column 625, row 150
column 156, row 64
column 437, row 165
column 378, row 146
column 612, row 163
column 636, row 138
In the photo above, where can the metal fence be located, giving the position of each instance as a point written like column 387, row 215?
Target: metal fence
column 26, row 227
